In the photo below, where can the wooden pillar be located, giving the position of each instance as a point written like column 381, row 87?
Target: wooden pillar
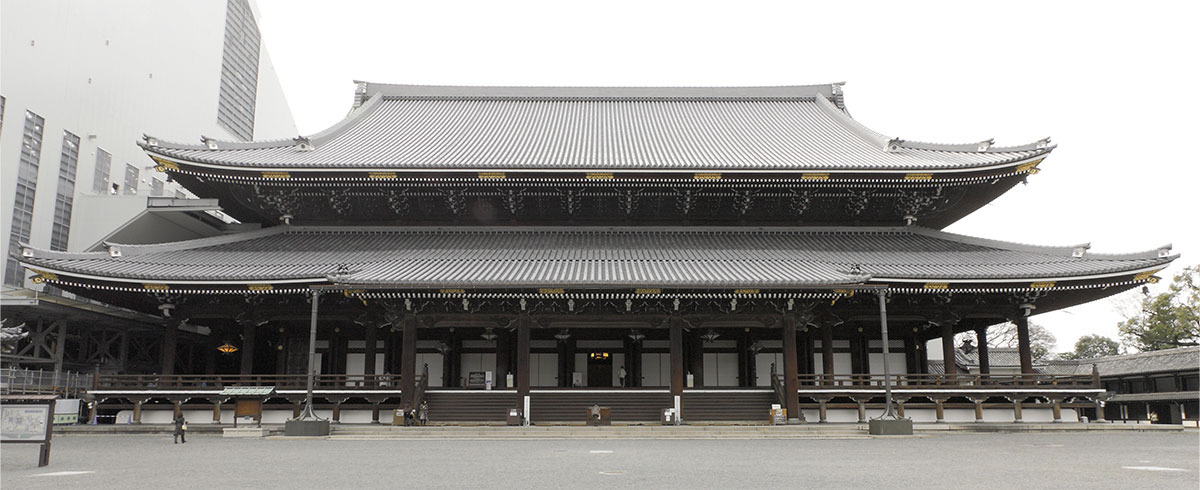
column 210, row 352
column 1056, row 408
column 939, row 410
column 217, row 411
column 564, row 353
column 524, row 323
column 408, row 357
column 948, row 349
column 248, row 329
column 176, row 409
column 337, row 412
column 911, row 359
column 856, row 361
column 1017, row 410
column 503, row 348
column 374, row 412
column 370, row 351
column 865, row 355
column 822, row 410
column 978, row 410
column 634, row 364
column 806, row 350
column 695, row 358
column 985, row 365
column 900, row 406
column 827, row 352
column 281, row 352
column 862, row 410
column 170, row 341
column 1023, row 345
column 743, row 351
column 676, row 326
column 137, row 411
column 791, row 385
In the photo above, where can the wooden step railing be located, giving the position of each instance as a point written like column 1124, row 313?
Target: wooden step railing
column 943, row 381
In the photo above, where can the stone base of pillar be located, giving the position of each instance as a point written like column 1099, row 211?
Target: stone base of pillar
column 891, row 427
column 294, row 428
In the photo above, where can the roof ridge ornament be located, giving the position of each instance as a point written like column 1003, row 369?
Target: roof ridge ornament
column 150, row 140
column 302, row 143
column 894, row 145
column 209, row 142
column 1080, row 250
column 1043, row 143
column 985, row 145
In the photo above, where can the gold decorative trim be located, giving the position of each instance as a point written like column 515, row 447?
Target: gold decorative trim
column 814, row 176
column 43, row 276
column 260, row 287
column 381, row 175
column 599, row 175
column 745, row 291
column 276, row 175
column 937, row 285
column 491, row 175
column 1042, row 285
column 551, row 291
column 918, row 176
column 452, row 291
column 1146, row 275
column 351, row 293
column 707, row 176
column 1030, row 167
column 163, row 165
column 155, row 287
column 647, row 291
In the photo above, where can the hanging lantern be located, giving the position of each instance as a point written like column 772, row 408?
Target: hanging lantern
column 227, row 348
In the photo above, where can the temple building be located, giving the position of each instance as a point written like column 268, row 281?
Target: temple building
column 711, row 250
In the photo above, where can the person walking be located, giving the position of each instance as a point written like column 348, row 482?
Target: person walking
column 180, row 429
column 621, row 377
column 423, row 412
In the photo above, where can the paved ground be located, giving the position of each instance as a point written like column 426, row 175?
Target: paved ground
column 1156, row 461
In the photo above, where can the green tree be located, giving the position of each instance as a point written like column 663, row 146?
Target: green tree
column 1092, row 346
column 1167, row 320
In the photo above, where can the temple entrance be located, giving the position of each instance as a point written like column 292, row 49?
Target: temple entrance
column 599, row 369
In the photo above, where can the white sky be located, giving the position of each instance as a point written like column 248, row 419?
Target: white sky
column 1115, row 84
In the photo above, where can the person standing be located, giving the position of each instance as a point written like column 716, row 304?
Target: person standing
column 621, row 377
column 180, row 429
column 423, row 413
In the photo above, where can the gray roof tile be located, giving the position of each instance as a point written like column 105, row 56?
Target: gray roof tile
column 556, row 128
column 586, row 256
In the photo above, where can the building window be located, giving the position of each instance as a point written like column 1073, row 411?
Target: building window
column 65, row 199
column 239, row 71
column 131, row 179
column 156, row 187
column 27, row 173
column 103, row 166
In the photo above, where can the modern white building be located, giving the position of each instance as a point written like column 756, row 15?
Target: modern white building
column 81, row 82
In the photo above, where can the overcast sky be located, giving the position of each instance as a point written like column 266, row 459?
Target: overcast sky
column 1115, row 85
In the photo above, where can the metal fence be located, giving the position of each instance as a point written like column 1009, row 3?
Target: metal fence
column 29, row 381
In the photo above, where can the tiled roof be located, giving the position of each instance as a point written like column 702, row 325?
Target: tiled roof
column 1179, row 359
column 401, row 127
column 585, row 256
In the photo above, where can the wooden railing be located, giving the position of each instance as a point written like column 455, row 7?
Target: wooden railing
column 777, row 383
column 279, row 381
column 942, row 381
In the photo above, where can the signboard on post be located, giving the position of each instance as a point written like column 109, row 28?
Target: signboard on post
column 28, row 419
